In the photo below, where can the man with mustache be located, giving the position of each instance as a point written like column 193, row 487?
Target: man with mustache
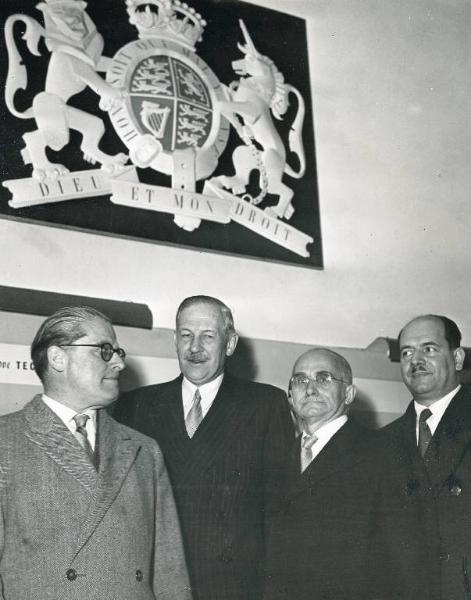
column 423, row 543
column 318, row 547
column 87, row 511
column 224, row 440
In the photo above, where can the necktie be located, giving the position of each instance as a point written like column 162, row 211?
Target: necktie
column 307, row 442
column 425, row 435
column 195, row 415
column 81, row 435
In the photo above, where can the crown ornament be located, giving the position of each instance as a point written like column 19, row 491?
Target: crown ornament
column 169, row 19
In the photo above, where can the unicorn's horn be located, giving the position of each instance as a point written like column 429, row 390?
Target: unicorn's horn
column 248, row 40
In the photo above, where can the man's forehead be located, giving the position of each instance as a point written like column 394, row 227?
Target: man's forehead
column 204, row 314
column 315, row 360
column 98, row 328
column 423, row 329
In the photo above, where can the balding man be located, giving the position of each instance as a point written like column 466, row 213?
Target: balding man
column 319, row 542
column 424, row 521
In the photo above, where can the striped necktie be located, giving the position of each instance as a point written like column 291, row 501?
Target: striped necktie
column 195, row 415
column 82, row 437
column 425, row 435
column 307, row 442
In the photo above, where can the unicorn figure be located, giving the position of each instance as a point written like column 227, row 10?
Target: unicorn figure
column 260, row 93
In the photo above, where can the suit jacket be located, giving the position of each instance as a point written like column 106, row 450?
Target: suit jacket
column 319, row 544
column 225, row 478
column 424, row 514
column 70, row 533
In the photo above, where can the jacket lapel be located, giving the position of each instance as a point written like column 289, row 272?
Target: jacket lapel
column 337, row 455
column 118, row 452
column 51, row 436
column 168, row 421
column 451, row 441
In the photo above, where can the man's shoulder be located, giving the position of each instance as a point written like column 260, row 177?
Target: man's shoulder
column 154, row 391
column 254, row 388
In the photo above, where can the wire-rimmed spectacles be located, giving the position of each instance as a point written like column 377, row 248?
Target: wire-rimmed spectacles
column 106, row 350
column 324, row 378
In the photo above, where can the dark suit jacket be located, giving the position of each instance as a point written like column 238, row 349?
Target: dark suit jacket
column 424, row 518
column 319, row 542
column 68, row 532
column 225, row 478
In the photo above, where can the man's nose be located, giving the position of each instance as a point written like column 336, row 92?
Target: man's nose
column 417, row 357
column 312, row 385
column 195, row 344
column 117, row 362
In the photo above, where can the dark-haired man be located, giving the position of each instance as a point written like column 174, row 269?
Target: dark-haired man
column 424, row 520
column 86, row 505
column 223, row 439
column 318, row 547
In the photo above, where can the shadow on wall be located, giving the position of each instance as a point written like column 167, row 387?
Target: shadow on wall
column 363, row 411
column 243, row 363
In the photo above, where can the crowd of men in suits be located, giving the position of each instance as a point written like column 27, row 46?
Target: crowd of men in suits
column 215, row 488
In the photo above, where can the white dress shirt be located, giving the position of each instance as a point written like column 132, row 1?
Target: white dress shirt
column 437, row 409
column 325, row 433
column 208, row 392
column 66, row 415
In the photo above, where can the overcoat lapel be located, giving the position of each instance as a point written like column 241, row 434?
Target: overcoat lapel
column 51, row 436
column 118, row 452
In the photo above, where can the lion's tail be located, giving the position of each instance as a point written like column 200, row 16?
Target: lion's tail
column 17, row 77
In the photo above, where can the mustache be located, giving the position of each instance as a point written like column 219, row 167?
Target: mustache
column 418, row 369
column 196, row 357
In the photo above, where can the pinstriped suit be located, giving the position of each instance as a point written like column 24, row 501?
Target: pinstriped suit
column 70, row 533
column 224, row 478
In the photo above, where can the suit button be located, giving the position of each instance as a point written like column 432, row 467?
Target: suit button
column 139, row 575
column 71, row 574
column 444, row 556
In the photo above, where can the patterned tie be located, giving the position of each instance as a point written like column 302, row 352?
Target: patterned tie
column 425, row 435
column 195, row 415
column 307, row 442
column 81, row 435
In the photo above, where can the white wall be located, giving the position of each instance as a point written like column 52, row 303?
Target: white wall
column 391, row 84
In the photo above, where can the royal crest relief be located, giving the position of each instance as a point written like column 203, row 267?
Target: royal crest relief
column 171, row 112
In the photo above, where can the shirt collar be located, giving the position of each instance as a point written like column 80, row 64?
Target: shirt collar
column 207, row 389
column 439, row 406
column 329, row 429
column 65, row 413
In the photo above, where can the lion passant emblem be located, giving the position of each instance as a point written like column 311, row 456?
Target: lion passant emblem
column 171, row 112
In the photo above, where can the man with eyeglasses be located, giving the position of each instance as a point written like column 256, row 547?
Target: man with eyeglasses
column 424, row 519
column 86, row 505
column 319, row 542
column 224, row 440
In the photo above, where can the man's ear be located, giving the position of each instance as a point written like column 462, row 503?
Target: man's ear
column 350, row 392
column 459, row 355
column 231, row 344
column 56, row 358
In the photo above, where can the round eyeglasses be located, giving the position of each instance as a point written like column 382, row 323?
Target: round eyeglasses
column 323, row 378
column 106, row 350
